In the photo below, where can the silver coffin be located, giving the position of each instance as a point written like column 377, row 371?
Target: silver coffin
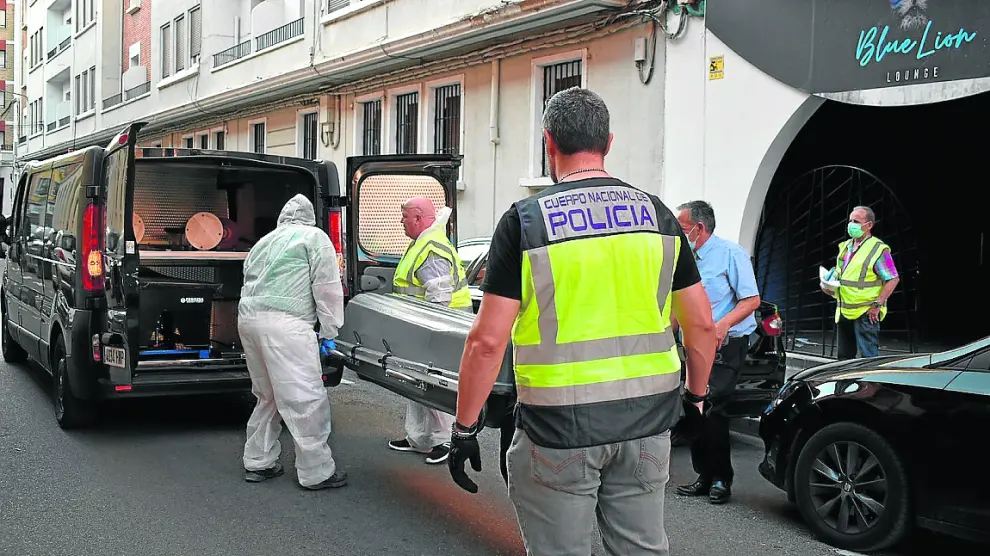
column 414, row 348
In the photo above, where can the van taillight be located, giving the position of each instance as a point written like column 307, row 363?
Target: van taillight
column 92, row 252
column 335, row 229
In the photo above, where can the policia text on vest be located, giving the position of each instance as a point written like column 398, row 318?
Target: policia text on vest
column 595, row 357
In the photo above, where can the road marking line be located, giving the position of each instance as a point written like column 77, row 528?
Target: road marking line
column 847, row 553
column 345, row 381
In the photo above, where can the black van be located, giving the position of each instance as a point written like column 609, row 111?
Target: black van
column 102, row 286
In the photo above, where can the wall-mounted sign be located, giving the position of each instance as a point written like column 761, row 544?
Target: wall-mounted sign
column 716, row 67
column 830, row 46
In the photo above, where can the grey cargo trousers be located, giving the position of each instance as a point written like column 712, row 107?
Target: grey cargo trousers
column 558, row 494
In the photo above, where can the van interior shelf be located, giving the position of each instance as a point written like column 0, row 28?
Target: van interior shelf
column 148, row 255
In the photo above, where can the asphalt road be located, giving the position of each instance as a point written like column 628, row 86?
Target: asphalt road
column 164, row 477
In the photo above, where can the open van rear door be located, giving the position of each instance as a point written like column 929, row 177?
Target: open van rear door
column 377, row 186
column 121, row 258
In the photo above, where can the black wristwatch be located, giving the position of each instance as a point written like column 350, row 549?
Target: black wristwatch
column 694, row 398
column 461, row 430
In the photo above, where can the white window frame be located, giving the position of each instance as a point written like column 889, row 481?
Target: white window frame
column 250, row 135
column 534, row 179
column 300, row 130
column 213, row 137
column 390, row 118
column 431, row 111
column 198, row 141
column 359, row 103
column 185, row 139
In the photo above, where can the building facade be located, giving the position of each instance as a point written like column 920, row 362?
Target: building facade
column 9, row 120
column 783, row 122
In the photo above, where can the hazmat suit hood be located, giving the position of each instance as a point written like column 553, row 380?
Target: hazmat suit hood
column 299, row 211
column 443, row 215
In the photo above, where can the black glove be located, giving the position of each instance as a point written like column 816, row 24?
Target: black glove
column 463, row 447
column 692, row 423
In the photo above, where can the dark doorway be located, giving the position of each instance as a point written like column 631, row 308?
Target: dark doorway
column 921, row 169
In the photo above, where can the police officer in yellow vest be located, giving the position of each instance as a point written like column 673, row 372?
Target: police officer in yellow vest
column 867, row 277
column 585, row 277
column 429, row 270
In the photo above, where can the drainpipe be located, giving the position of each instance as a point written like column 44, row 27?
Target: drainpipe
column 493, row 129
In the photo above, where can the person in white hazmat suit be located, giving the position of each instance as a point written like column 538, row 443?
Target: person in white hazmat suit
column 291, row 281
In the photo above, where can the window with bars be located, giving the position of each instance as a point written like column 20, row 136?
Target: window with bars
column 556, row 78
column 195, row 33
column 406, row 122
column 166, row 50
column 447, row 119
column 310, row 131
column 371, row 128
column 258, row 137
column 180, row 43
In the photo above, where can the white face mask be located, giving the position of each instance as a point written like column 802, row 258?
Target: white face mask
column 692, row 242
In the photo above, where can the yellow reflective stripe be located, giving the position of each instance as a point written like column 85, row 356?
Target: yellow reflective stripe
column 670, row 254
column 549, row 352
column 410, row 290
column 597, row 371
column 600, row 391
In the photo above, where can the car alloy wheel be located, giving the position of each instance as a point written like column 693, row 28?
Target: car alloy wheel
column 849, row 487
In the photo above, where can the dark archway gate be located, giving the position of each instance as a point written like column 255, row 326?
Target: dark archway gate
column 802, row 223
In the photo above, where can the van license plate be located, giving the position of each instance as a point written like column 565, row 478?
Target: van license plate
column 115, row 357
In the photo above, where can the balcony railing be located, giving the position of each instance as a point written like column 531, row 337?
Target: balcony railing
column 52, row 126
column 137, row 91
column 65, row 43
column 280, row 35
column 22, row 139
column 113, row 101
column 63, row 122
column 6, row 147
column 235, row 52
column 52, row 53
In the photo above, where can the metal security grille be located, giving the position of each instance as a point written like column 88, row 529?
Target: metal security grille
column 802, row 224
column 309, row 135
column 406, row 118
column 556, row 78
column 372, row 128
column 166, row 50
column 380, row 199
column 447, row 120
column 258, row 131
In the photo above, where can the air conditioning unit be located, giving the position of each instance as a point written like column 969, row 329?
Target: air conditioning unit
column 133, row 6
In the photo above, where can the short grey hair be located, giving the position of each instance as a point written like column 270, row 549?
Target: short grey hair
column 578, row 121
column 702, row 212
column 870, row 216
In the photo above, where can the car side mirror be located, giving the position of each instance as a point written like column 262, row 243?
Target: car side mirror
column 370, row 283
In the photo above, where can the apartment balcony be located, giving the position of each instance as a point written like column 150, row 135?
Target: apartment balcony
column 60, row 117
column 136, row 85
column 280, row 35
column 232, row 54
column 62, row 39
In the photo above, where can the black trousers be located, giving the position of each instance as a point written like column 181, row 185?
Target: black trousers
column 711, row 453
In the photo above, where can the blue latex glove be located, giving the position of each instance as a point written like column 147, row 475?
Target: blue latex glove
column 326, row 345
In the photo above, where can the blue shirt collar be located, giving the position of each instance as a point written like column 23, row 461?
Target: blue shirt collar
column 708, row 246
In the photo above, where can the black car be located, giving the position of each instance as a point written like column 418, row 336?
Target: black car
column 765, row 365
column 869, row 448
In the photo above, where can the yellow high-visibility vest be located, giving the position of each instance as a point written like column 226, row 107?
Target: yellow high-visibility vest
column 594, row 355
column 859, row 284
column 432, row 242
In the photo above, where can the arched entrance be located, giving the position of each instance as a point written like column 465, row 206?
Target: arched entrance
column 921, row 172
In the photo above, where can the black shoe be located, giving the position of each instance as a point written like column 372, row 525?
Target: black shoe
column 438, row 454
column 403, row 446
column 336, row 480
column 720, row 492
column 264, row 474
column 701, row 487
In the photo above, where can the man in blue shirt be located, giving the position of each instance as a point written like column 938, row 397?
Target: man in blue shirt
column 728, row 278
